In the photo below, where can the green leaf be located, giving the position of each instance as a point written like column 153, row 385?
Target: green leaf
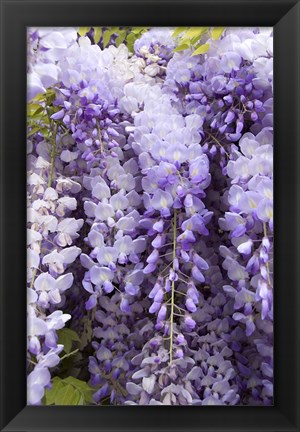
column 201, row 49
column 106, row 37
column 138, row 30
column 34, row 109
column 181, row 47
column 67, row 395
column 69, row 391
column 195, row 32
column 38, row 111
column 86, row 335
column 134, row 34
column 78, row 383
column 97, row 34
column 40, row 97
column 130, row 39
column 72, row 334
column 194, row 40
column 83, row 385
column 81, row 401
column 184, row 41
column 66, row 337
column 33, row 131
column 178, row 31
column 66, row 342
column 216, row 32
column 83, row 30
column 50, row 395
column 121, row 37
column 50, row 92
column 85, row 390
column 45, row 131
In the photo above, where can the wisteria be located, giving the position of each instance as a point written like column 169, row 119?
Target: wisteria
column 150, row 216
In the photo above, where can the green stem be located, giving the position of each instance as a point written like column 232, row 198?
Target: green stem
column 33, row 277
column 183, row 274
column 99, row 136
column 179, row 292
column 53, row 151
column 179, row 308
column 116, row 385
column 217, row 142
column 69, row 354
column 173, row 288
column 165, row 268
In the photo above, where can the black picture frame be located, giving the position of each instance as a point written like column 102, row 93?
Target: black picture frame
column 16, row 15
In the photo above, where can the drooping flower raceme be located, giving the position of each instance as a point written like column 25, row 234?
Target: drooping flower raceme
column 150, row 217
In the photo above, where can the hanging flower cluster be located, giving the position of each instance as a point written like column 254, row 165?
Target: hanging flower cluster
column 150, row 217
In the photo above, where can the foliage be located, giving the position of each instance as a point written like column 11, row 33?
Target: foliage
column 115, row 35
column 67, row 338
column 191, row 37
column 68, row 391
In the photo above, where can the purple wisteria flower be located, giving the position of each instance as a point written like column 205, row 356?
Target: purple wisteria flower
column 150, row 217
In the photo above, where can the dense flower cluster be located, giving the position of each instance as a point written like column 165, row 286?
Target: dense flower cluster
column 50, row 251
column 150, row 217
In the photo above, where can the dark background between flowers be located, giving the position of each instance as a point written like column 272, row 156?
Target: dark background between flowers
column 15, row 16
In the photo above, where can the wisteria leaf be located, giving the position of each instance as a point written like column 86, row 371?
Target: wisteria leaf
column 97, row 34
column 68, row 391
column 50, row 96
column 50, row 394
column 81, row 400
column 87, row 333
column 121, row 37
column 65, row 341
column 66, row 337
column 40, row 97
column 33, row 131
column 67, row 395
column 178, row 31
column 201, row 49
column 195, row 32
column 106, row 37
column 83, row 30
column 130, row 41
column 34, row 109
column 181, row 47
column 138, row 30
column 217, row 32
column 86, row 392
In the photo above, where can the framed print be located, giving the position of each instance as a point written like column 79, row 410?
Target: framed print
column 153, row 274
